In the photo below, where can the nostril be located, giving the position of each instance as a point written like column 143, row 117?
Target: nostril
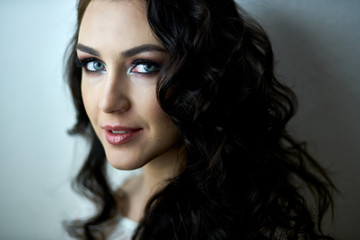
column 115, row 105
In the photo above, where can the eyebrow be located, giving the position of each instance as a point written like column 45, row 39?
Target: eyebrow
column 142, row 48
column 127, row 53
column 86, row 49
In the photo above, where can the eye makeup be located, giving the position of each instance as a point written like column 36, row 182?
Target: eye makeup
column 144, row 66
column 91, row 65
column 138, row 66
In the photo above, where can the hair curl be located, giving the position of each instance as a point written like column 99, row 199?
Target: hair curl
column 244, row 173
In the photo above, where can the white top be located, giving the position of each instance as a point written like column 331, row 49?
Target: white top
column 124, row 229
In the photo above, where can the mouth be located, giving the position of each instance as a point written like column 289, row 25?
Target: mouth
column 117, row 135
column 119, row 132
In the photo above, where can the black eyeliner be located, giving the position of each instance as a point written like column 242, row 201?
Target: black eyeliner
column 145, row 61
column 82, row 63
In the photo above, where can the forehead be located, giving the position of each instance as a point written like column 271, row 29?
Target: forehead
column 123, row 21
column 109, row 8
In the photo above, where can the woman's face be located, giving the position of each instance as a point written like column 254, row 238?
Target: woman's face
column 121, row 59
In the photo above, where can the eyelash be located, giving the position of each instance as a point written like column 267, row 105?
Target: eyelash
column 144, row 62
column 83, row 63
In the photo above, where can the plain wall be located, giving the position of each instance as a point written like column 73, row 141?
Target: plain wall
column 36, row 152
column 316, row 45
column 317, row 54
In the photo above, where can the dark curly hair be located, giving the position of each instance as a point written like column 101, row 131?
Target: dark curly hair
column 245, row 177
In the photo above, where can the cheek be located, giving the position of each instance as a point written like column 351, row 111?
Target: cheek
column 146, row 101
column 88, row 100
column 166, row 128
column 156, row 113
column 84, row 96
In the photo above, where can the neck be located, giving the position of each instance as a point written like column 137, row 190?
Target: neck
column 157, row 172
column 154, row 178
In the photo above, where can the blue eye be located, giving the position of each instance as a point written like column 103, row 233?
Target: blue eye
column 92, row 65
column 145, row 68
column 95, row 66
column 142, row 66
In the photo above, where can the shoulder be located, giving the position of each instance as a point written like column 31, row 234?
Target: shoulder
column 124, row 229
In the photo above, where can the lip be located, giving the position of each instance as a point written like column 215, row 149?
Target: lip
column 120, row 138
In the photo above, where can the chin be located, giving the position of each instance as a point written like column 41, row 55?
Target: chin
column 123, row 163
column 120, row 166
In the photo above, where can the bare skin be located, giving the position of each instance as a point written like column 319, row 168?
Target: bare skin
column 121, row 59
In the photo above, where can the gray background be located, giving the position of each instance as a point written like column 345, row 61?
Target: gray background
column 316, row 44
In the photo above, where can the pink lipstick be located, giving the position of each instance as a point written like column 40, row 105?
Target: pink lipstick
column 117, row 135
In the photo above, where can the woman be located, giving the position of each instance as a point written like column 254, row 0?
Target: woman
column 185, row 90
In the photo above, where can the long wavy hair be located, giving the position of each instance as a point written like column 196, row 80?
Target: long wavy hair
column 245, row 177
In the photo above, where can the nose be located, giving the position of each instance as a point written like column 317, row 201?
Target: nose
column 114, row 95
